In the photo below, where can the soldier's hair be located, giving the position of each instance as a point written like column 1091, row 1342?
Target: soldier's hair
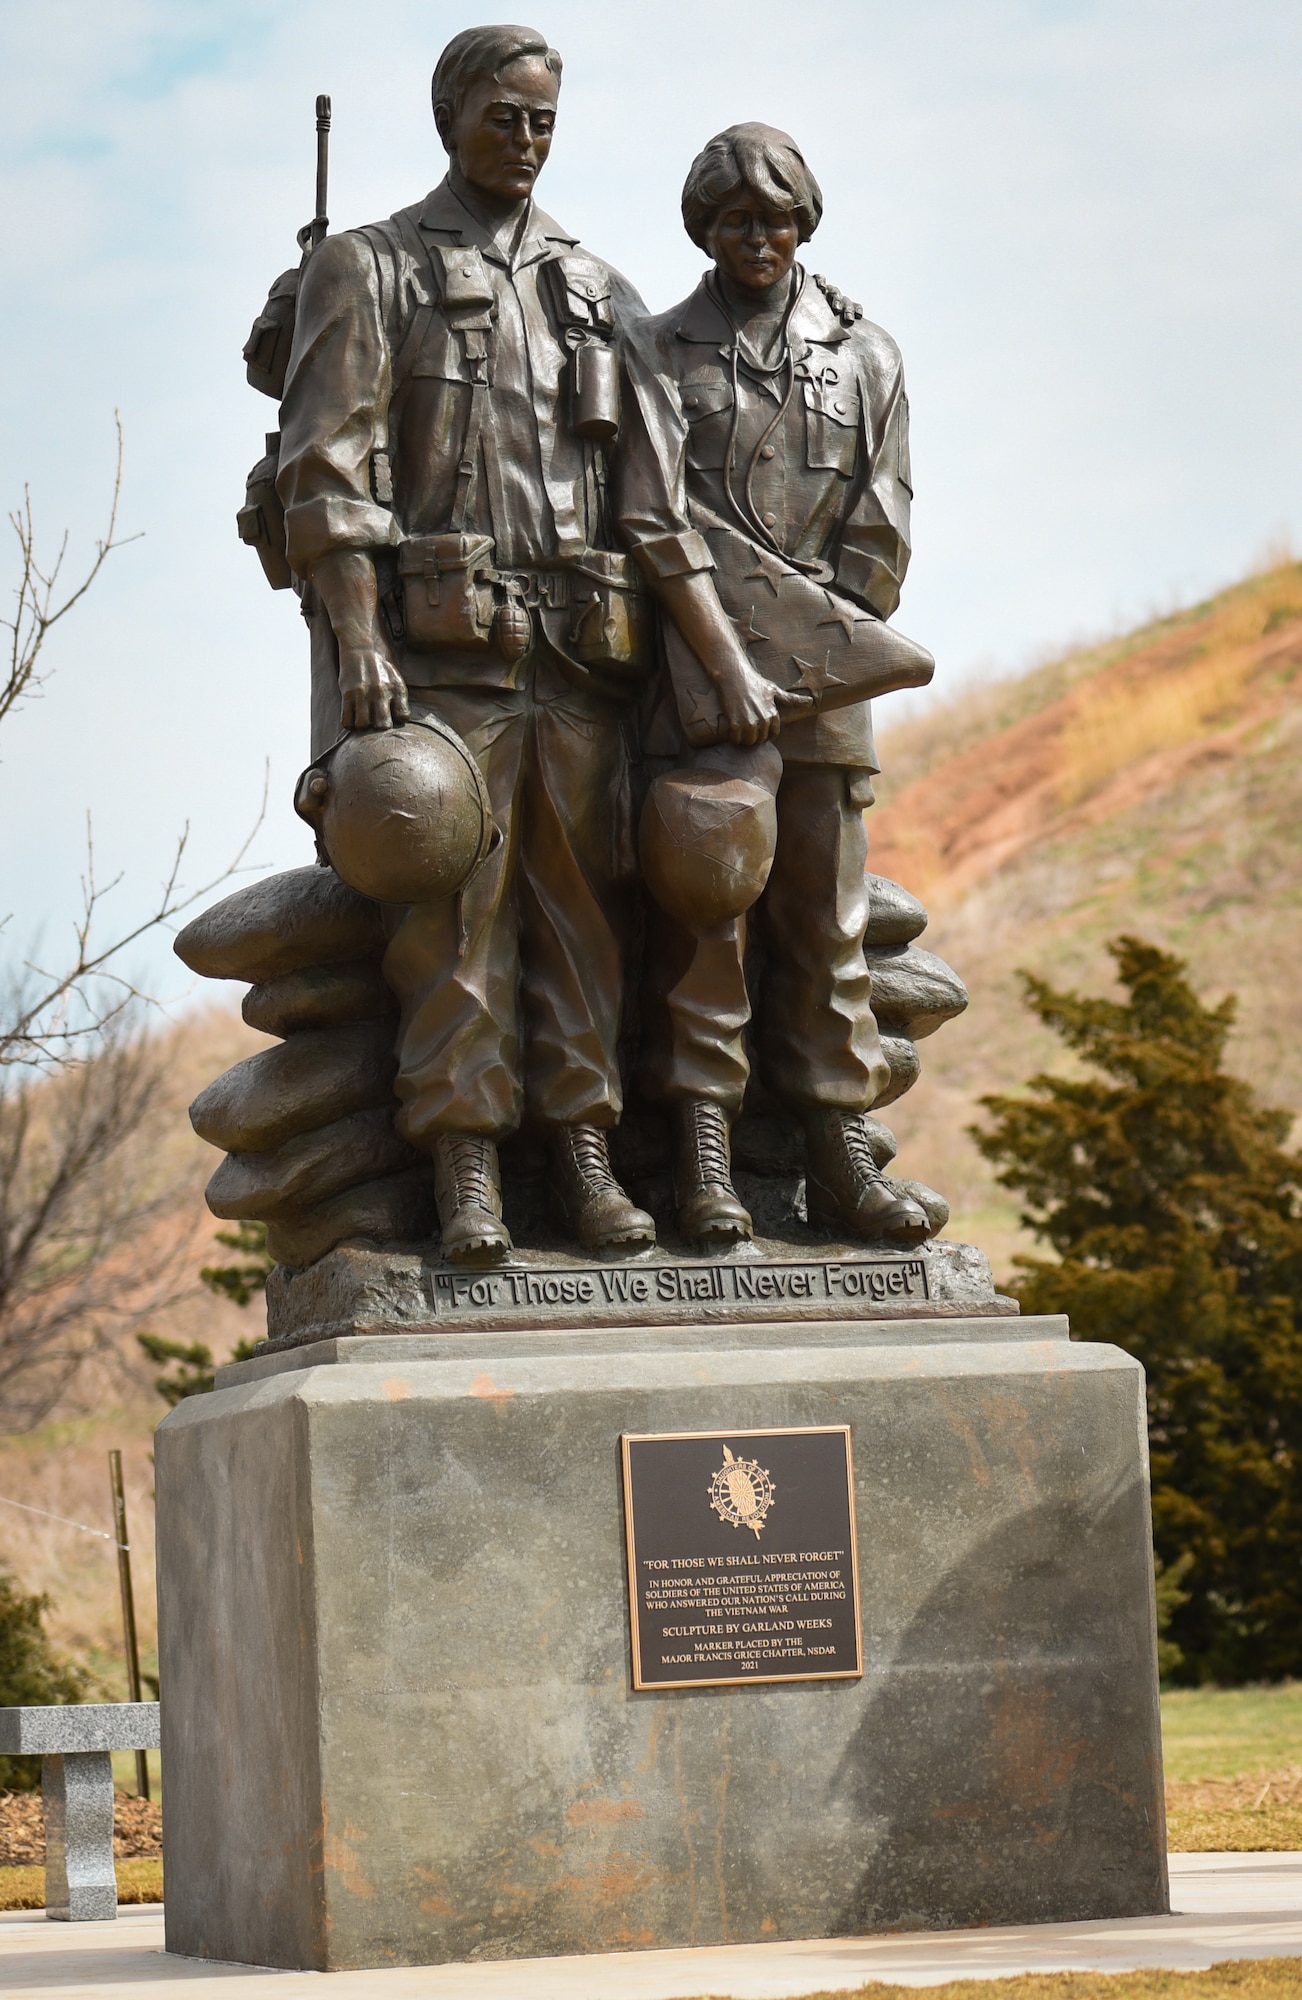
column 477, row 54
column 750, row 159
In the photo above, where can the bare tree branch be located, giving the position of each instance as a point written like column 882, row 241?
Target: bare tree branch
column 53, row 1014
column 36, row 611
column 89, row 1244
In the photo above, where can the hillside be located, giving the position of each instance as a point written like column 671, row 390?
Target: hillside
column 1152, row 784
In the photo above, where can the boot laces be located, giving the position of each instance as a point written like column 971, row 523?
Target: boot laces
column 586, row 1146
column 858, row 1148
column 708, row 1135
column 468, row 1167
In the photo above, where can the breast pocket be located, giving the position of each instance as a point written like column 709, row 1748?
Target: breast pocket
column 441, row 353
column 832, row 419
column 707, row 406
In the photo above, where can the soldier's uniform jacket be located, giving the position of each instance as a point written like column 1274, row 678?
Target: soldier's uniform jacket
column 428, row 392
column 830, row 481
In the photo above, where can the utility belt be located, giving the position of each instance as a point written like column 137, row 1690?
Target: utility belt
column 451, row 593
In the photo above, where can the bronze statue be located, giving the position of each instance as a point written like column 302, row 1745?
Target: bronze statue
column 447, row 413
column 764, row 487
column 566, row 566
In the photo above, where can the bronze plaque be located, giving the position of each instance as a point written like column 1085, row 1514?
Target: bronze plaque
column 741, row 1556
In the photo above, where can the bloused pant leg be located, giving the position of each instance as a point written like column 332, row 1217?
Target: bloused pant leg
column 575, row 899
column 695, row 1011
column 817, row 1034
column 454, row 965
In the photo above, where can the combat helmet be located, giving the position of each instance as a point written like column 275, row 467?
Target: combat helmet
column 401, row 814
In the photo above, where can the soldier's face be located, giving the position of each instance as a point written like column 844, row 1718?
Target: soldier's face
column 753, row 245
column 503, row 131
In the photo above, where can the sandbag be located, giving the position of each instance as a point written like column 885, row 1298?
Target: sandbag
column 305, row 1171
column 303, row 1083
column 304, row 917
column 320, row 996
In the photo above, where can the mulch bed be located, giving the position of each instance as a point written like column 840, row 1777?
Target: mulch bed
column 137, row 1829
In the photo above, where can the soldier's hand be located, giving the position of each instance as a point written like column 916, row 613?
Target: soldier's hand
column 373, row 694
column 749, row 704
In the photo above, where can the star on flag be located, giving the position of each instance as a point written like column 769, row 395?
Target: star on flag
column 815, row 679
column 843, row 614
column 771, row 568
column 747, row 630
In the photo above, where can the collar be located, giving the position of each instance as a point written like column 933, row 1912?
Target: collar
column 444, row 214
column 812, row 322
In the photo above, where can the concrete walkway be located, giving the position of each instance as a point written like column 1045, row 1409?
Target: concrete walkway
column 1229, row 1906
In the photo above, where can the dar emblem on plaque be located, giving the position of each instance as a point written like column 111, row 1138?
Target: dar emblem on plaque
column 741, row 1492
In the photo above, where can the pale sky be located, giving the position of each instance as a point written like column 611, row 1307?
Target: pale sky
column 1079, row 218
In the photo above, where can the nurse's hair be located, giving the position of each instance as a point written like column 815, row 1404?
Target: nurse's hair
column 750, row 159
column 478, row 54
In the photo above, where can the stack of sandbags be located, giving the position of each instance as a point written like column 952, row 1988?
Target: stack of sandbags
column 914, row 992
column 308, row 1127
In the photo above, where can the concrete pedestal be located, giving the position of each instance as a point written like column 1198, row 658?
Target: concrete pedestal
column 398, row 1719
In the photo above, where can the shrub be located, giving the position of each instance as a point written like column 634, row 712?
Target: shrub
column 31, row 1675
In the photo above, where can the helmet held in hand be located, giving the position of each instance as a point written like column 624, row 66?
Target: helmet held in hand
column 402, row 815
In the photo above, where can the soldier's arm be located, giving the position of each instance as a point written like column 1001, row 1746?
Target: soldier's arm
column 872, row 551
column 654, row 520
column 333, row 417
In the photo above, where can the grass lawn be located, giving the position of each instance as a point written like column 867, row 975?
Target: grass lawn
column 1231, row 1732
column 1233, row 1768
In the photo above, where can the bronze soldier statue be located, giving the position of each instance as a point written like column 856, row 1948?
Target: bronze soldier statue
column 765, row 488
column 448, row 408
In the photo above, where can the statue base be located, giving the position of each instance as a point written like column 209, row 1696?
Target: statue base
column 400, row 1724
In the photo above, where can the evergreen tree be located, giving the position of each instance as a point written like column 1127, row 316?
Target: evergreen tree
column 1176, row 1217
column 31, row 1675
column 242, row 1282
column 196, row 1371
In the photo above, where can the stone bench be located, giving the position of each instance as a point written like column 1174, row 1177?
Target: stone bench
column 74, row 1743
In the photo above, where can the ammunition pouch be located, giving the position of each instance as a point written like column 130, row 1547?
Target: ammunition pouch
column 608, row 621
column 261, row 520
column 594, row 613
column 447, row 594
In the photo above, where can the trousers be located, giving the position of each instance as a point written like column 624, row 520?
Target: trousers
column 511, row 993
column 816, row 1036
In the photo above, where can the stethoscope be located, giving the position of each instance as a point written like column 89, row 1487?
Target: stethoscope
column 745, row 507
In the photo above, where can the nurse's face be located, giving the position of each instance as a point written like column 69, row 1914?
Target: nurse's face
column 752, row 244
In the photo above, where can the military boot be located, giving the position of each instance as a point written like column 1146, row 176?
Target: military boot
column 844, row 1187
column 594, row 1206
column 709, row 1211
column 468, row 1190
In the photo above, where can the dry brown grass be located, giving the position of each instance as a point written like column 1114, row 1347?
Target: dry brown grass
column 971, row 786
column 138, row 1882
column 1233, row 1979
